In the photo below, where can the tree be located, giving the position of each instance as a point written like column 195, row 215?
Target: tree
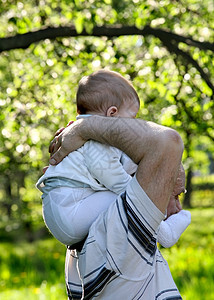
column 165, row 47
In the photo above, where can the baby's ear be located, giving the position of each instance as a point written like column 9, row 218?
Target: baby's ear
column 112, row 111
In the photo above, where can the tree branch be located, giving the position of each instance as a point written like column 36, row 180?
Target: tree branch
column 161, row 33
column 174, row 49
column 25, row 40
column 169, row 39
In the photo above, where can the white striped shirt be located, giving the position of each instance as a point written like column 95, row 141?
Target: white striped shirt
column 120, row 259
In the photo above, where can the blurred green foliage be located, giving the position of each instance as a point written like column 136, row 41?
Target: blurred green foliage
column 37, row 96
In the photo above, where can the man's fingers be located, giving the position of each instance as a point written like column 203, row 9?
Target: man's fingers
column 57, row 156
column 45, row 169
column 51, row 146
column 69, row 123
column 54, row 141
column 178, row 205
column 59, row 131
column 54, row 145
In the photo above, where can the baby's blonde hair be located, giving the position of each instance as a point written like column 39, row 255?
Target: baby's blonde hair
column 102, row 89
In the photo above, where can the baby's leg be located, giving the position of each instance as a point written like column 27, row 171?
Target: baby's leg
column 171, row 229
column 88, row 210
column 69, row 212
column 59, row 207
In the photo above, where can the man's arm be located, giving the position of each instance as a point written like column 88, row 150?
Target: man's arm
column 156, row 149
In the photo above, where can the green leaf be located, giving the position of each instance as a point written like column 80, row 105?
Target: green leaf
column 79, row 22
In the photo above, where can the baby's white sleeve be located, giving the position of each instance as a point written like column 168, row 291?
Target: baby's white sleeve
column 103, row 163
column 129, row 166
column 171, row 229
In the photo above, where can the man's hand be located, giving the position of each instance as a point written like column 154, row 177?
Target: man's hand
column 65, row 141
column 45, row 169
column 174, row 205
column 51, row 147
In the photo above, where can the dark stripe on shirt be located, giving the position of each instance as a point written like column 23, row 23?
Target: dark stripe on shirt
column 129, row 241
column 97, row 284
column 121, row 219
column 73, row 295
column 94, row 271
column 173, row 298
column 139, row 252
column 112, row 259
column 138, row 229
column 143, row 289
column 141, row 216
column 177, row 297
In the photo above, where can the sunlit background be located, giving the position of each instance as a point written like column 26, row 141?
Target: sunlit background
column 174, row 80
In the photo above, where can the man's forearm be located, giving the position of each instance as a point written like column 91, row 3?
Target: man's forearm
column 117, row 132
column 135, row 137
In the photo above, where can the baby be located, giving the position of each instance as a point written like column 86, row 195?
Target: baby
column 89, row 179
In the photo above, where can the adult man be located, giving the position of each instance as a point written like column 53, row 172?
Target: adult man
column 120, row 258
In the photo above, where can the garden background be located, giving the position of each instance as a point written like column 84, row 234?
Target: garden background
column 166, row 49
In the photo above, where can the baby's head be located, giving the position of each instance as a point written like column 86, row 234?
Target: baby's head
column 107, row 93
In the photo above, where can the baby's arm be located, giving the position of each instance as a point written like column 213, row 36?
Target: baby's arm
column 103, row 163
column 171, row 229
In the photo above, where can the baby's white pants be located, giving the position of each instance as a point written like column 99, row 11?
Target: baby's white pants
column 69, row 212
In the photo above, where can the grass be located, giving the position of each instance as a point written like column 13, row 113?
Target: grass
column 33, row 271
column 36, row 271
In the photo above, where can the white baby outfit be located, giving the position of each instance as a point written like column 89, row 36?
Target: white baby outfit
column 95, row 170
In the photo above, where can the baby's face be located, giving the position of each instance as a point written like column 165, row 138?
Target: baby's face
column 128, row 110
